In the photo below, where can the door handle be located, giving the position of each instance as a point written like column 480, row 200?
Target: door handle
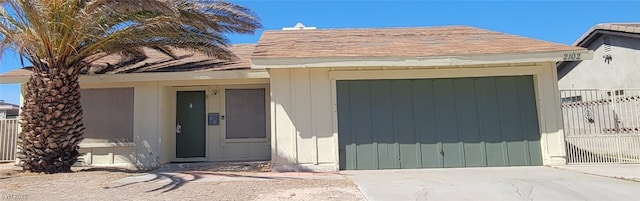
column 178, row 128
column 441, row 151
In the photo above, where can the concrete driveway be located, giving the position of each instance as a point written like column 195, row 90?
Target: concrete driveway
column 500, row 183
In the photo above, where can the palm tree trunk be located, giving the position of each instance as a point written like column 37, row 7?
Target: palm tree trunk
column 51, row 123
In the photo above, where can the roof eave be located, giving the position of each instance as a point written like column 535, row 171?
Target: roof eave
column 14, row 79
column 264, row 63
column 157, row 76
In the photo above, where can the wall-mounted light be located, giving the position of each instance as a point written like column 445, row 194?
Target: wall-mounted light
column 607, row 58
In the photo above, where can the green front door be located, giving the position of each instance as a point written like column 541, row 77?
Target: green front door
column 435, row 123
column 190, row 124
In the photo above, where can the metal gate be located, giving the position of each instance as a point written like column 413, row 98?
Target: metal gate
column 602, row 126
column 8, row 139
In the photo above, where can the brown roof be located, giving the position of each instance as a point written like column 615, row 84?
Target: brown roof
column 396, row 42
column 632, row 27
column 17, row 72
column 591, row 34
column 158, row 62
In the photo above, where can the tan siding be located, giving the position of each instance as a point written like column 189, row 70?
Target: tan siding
column 146, row 125
column 167, row 132
column 549, row 107
column 283, row 136
column 301, row 92
column 304, row 109
column 213, row 139
column 322, row 116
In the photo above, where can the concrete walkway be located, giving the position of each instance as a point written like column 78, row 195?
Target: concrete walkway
column 500, row 183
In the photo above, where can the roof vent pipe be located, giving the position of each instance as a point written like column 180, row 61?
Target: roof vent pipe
column 298, row 26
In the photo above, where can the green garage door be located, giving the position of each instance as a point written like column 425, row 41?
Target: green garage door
column 434, row 123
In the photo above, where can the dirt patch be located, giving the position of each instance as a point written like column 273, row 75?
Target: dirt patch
column 100, row 183
column 8, row 169
column 232, row 167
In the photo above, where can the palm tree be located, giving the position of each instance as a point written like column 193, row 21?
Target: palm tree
column 62, row 37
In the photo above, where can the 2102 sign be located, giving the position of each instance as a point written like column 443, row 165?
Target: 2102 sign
column 572, row 57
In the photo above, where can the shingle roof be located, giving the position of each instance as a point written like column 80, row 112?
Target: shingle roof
column 396, row 42
column 158, row 62
column 17, row 72
column 633, row 27
column 585, row 39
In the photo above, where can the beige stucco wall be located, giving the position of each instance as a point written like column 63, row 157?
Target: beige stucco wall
column 304, row 116
column 622, row 71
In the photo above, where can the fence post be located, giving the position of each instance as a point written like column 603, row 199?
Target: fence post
column 616, row 121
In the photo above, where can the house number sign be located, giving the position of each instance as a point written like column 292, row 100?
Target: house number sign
column 213, row 119
column 572, row 57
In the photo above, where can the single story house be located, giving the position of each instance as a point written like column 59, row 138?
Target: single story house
column 333, row 99
column 8, row 110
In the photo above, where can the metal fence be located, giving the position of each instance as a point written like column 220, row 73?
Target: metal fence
column 602, row 126
column 8, row 139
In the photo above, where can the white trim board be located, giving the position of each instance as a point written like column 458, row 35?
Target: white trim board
column 264, row 63
column 159, row 76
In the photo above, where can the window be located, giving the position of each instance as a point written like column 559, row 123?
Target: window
column 108, row 113
column 245, row 113
column 572, row 99
column 616, row 92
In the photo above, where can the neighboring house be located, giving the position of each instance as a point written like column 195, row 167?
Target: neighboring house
column 601, row 97
column 8, row 110
column 324, row 100
column 616, row 63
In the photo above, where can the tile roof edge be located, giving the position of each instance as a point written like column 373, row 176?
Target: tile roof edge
column 610, row 26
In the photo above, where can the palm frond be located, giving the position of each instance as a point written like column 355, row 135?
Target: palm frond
column 72, row 33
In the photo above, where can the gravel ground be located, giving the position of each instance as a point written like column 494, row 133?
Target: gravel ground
column 101, row 184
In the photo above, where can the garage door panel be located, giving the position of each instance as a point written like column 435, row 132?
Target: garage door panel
column 511, row 123
column 383, row 127
column 366, row 152
column 529, row 117
column 346, row 146
column 535, row 153
column 451, row 150
column 425, row 127
column 404, row 125
column 467, row 115
column 489, row 123
column 425, row 123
